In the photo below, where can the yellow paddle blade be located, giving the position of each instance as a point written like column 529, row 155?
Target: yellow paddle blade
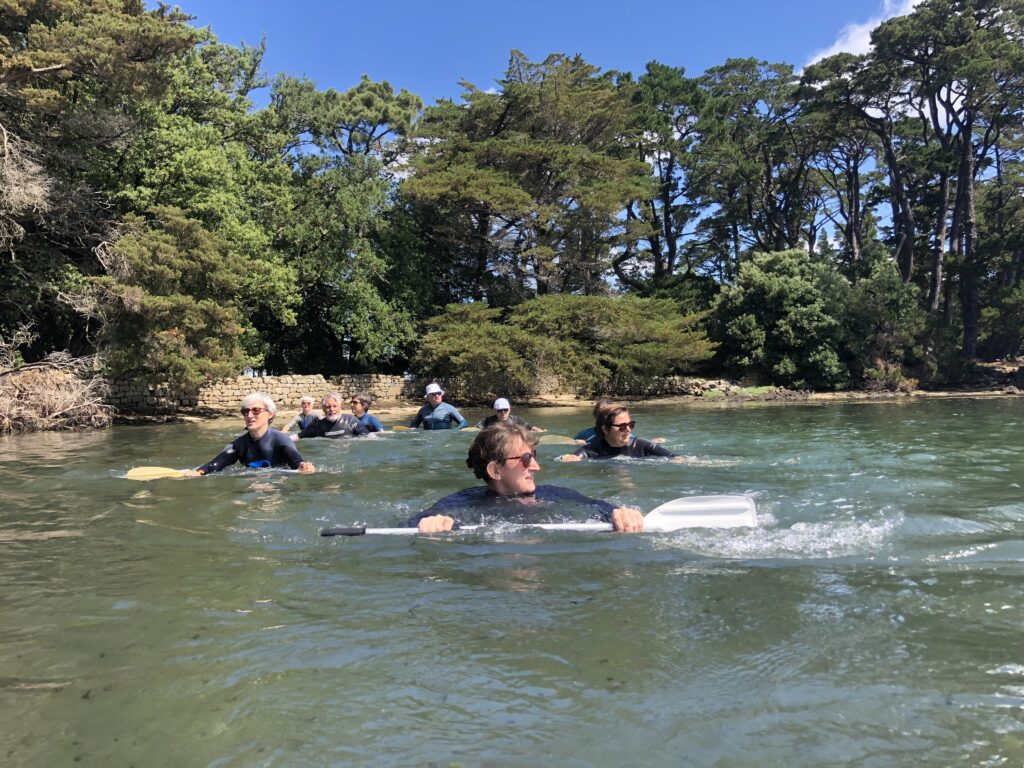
column 556, row 440
column 470, row 429
column 152, row 473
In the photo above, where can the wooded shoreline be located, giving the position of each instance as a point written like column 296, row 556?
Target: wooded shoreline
column 175, row 213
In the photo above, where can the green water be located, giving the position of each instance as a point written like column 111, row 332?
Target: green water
column 874, row 618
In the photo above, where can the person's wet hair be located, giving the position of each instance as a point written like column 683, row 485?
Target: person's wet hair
column 494, row 444
column 364, row 400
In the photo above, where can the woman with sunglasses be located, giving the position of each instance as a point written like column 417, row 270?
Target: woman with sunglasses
column 504, row 456
column 260, row 446
column 615, row 438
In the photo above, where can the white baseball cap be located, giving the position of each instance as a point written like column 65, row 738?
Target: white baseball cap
column 433, row 389
column 501, row 404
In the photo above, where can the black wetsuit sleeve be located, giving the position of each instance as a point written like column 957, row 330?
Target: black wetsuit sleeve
column 225, row 458
column 643, row 447
column 590, row 451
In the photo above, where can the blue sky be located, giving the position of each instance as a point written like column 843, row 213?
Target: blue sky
column 428, row 47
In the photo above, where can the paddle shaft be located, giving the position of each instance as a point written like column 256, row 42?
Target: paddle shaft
column 364, row 531
column 692, row 512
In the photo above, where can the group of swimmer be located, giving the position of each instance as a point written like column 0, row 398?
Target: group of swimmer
column 503, row 454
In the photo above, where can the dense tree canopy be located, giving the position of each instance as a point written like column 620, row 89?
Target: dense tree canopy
column 166, row 202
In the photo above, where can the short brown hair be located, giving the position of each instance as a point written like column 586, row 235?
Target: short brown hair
column 493, row 444
column 364, row 400
column 605, row 416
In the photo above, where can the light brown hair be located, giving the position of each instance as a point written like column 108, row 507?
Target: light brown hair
column 494, row 443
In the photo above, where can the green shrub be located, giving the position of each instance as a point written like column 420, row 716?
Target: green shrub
column 589, row 342
column 781, row 321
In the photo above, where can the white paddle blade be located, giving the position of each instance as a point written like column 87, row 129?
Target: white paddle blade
column 152, row 473
column 703, row 512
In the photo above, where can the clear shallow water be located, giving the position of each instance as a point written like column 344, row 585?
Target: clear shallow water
column 873, row 619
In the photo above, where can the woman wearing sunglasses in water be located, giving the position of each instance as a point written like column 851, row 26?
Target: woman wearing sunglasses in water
column 259, row 446
column 615, row 438
column 504, row 456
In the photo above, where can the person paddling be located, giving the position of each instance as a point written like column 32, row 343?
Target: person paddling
column 614, row 429
column 436, row 414
column 334, row 424
column 260, row 446
column 503, row 414
column 504, row 456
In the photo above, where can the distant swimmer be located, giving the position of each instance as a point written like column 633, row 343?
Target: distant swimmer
column 503, row 415
column 614, row 437
column 334, row 424
column 260, row 446
column 361, row 410
column 306, row 417
column 504, row 456
column 437, row 414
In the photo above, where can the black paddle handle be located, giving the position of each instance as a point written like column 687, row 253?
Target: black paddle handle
column 343, row 531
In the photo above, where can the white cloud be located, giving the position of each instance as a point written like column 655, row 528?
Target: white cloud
column 856, row 37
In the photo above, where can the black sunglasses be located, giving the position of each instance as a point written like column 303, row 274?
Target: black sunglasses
column 526, row 458
column 624, row 426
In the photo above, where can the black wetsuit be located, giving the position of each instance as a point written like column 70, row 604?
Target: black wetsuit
column 274, row 449
column 512, row 419
column 636, row 448
column 548, row 504
column 345, row 426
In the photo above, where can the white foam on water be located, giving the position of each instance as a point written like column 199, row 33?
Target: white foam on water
column 1008, row 669
column 823, row 540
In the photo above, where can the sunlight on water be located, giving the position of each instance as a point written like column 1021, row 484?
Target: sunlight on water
column 873, row 617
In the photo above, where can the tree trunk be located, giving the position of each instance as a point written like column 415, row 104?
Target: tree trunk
column 939, row 247
column 971, row 272
column 902, row 214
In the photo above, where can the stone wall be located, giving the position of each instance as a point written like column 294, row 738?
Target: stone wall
column 226, row 394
